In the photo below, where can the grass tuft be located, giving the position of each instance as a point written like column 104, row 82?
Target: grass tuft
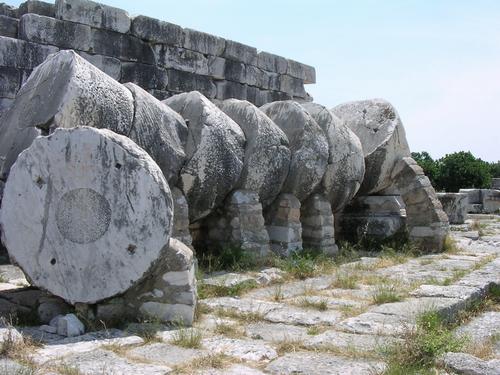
column 386, row 293
column 345, row 280
column 187, row 338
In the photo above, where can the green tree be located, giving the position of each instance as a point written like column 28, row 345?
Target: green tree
column 495, row 169
column 463, row 170
column 428, row 164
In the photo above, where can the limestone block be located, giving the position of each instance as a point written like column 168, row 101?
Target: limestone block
column 283, row 225
column 180, row 228
column 109, row 65
column 214, row 140
column 234, row 71
column 346, row 164
column 228, row 90
column 257, row 77
column 216, row 67
column 47, row 30
column 37, row 7
column 10, row 80
column 317, row 221
column 202, row 42
column 275, row 96
column 145, row 75
column 69, row 326
column 308, row 145
column 160, row 131
column 83, row 210
column 157, row 31
column 495, row 183
column 292, row 86
column 473, row 195
column 71, row 92
column 179, row 81
column 305, row 73
column 455, row 206
column 9, row 10
column 267, row 156
column 240, row 52
column 272, row 63
column 170, row 294
column 181, row 59
column 491, row 201
column 256, row 96
column 8, row 26
column 382, row 136
column 21, row 54
column 123, row 46
column 93, row 14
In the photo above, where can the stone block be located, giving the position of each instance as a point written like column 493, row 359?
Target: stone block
column 160, row 94
column 157, row 31
column 109, row 65
column 46, row 30
column 275, row 96
column 179, row 81
column 203, row 42
column 93, row 14
column 9, row 10
column 240, row 52
column 145, row 76
column 181, row 59
column 124, row 47
column 301, row 71
column 495, row 183
column 5, row 104
column 455, row 206
column 272, row 63
column 293, row 86
column 491, row 201
column 8, row 26
column 37, row 7
column 216, row 67
column 180, row 229
column 10, row 80
column 257, row 77
column 228, row 89
column 234, row 71
column 21, row 54
column 283, row 225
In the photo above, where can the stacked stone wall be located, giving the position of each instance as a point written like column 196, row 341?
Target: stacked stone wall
column 161, row 57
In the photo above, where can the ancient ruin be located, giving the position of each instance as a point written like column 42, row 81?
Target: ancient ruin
column 131, row 148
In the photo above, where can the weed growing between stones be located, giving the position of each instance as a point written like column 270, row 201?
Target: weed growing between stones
column 345, row 280
column 229, row 330
column 208, row 291
column 386, row 293
column 480, row 227
column 450, row 245
column 320, row 305
column 245, row 317
column 421, row 346
column 212, row 361
column 67, row 369
column 289, row 346
column 187, row 338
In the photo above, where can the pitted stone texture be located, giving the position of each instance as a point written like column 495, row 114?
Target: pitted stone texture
column 341, row 340
column 308, row 145
column 318, row 231
column 283, row 225
column 160, row 131
column 20, row 54
column 203, row 42
column 276, row 332
column 169, row 293
column 109, row 65
column 455, row 206
column 9, row 26
column 243, row 349
column 346, row 164
column 93, row 14
column 165, row 354
column 214, row 152
column 322, row 363
column 71, row 92
column 427, row 223
column 157, row 31
column 466, row 364
column 267, row 156
column 482, row 329
column 37, row 7
column 114, row 180
column 381, row 132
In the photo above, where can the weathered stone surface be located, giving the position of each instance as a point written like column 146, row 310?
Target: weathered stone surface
column 180, row 229
column 455, row 206
column 229, row 89
column 93, row 14
column 126, row 47
column 276, row 332
column 243, row 349
column 482, row 329
column 50, row 307
column 240, row 52
column 144, row 75
column 341, row 340
column 203, row 42
column 272, row 63
column 283, row 225
column 179, row 81
column 308, row 145
column 181, row 59
column 322, row 363
column 468, row 294
column 72, row 92
column 68, row 325
column 371, row 323
column 8, row 26
column 47, row 30
column 37, row 7
column 165, row 354
column 302, row 71
column 160, row 131
column 10, row 79
column 381, row 132
column 8, row 366
column 109, row 65
column 73, row 209
column 292, row 86
column 346, row 164
column 267, row 155
column 157, row 31
column 306, row 317
column 214, row 139
column 466, row 364
column 20, row 54
column 8, row 10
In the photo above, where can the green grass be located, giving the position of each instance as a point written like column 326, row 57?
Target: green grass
column 345, row 280
column 386, row 293
column 208, row 291
column 421, row 346
column 187, row 338
column 321, row 305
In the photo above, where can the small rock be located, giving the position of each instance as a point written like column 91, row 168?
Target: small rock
column 69, row 326
column 48, row 329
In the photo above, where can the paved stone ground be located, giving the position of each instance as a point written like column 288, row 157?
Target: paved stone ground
column 329, row 324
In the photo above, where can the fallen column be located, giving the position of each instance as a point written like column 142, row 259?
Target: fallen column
column 455, row 206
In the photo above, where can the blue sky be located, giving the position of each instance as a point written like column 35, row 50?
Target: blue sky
column 437, row 61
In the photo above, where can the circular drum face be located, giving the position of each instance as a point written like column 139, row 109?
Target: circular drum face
column 86, row 213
